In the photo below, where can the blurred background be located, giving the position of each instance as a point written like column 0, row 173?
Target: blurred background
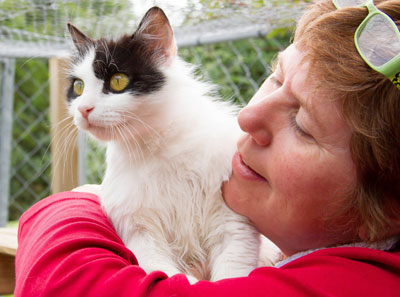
column 231, row 42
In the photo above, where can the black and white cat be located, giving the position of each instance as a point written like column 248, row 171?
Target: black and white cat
column 169, row 148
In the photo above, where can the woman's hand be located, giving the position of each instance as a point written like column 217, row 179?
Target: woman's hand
column 88, row 188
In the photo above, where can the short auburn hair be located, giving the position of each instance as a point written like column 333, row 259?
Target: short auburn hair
column 370, row 104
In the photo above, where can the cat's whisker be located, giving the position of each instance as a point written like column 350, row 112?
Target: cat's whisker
column 65, row 135
column 103, row 71
column 103, row 44
column 112, row 55
column 138, row 146
column 138, row 134
column 97, row 151
column 109, row 56
column 131, row 154
column 121, row 129
column 132, row 115
column 63, row 132
column 55, row 125
column 52, row 141
column 73, row 133
column 100, row 61
column 115, row 65
column 133, row 157
column 107, row 49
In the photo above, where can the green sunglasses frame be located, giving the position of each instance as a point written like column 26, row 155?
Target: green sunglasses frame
column 391, row 69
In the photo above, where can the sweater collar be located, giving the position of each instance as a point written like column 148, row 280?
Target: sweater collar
column 384, row 245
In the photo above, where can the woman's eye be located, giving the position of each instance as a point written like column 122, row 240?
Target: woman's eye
column 119, row 82
column 298, row 129
column 78, row 86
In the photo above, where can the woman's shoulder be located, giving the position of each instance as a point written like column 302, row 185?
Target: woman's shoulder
column 343, row 271
column 69, row 200
column 380, row 251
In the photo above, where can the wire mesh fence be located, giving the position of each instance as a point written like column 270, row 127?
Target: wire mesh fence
column 30, row 159
column 237, row 67
column 37, row 27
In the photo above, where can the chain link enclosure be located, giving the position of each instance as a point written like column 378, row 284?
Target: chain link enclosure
column 232, row 42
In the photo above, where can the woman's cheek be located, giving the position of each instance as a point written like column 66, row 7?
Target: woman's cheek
column 294, row 176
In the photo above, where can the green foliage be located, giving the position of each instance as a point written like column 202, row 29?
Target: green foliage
column 31, row 137
column 239, row 67
column 43, row 17
column 12, row 224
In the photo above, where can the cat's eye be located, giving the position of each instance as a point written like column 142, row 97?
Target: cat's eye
column 78, row 87
column 119, row 82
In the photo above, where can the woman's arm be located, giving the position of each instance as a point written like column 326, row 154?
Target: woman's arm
column 67, row 247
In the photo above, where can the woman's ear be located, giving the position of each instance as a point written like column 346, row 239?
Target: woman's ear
column 395, row 226
column 392, row 230
column 363, row 233
column 156, row 32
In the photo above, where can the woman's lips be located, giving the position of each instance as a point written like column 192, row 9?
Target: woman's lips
column 244, row 171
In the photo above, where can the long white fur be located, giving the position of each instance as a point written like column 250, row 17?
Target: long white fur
column 166, row 162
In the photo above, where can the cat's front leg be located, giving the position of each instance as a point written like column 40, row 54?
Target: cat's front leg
column 237, row 254
column 154, row 255
column 150, row 255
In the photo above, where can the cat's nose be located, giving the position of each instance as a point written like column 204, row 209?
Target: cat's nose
column 85, row 110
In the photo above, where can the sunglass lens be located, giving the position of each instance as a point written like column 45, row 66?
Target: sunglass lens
column 378, row 40
column 348, row 3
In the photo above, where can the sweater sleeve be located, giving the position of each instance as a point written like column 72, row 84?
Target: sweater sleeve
column 67, row 247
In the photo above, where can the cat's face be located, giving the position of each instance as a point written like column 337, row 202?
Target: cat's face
column 114, row 85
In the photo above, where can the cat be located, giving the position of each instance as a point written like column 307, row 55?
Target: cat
column 170, row 143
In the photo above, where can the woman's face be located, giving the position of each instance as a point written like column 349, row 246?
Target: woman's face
column 293, row 165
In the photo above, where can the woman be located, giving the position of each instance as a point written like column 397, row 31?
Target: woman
column 317, row 171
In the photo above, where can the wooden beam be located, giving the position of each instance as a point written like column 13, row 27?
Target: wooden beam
column 64, row 149
column 8, row 249
column 7, row 274
column 8, row 241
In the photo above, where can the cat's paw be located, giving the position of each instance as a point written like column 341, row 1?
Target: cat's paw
column 269, row 253
column 192, row 280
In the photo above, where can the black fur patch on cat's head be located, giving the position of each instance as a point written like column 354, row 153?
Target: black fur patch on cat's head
column 138, row 56
column 130, row 57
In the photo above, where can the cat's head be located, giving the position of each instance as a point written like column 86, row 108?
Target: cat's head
column 117, row 84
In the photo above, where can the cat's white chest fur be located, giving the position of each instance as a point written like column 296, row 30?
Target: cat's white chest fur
column 166, row 202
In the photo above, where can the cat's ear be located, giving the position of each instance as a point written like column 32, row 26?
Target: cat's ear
column 156, row 32
column 81, row 41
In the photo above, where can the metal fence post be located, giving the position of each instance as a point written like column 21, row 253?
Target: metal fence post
column 7, row 100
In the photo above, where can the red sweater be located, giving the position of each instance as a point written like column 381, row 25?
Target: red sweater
column 67, row 247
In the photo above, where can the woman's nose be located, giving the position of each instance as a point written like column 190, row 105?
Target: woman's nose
column 253, row 119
